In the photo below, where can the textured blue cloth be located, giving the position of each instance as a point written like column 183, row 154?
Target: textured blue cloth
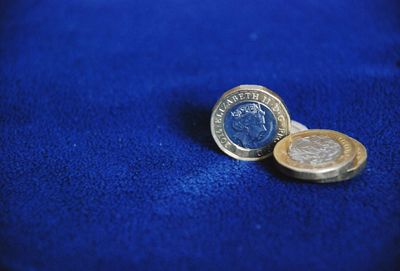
column 107, row 161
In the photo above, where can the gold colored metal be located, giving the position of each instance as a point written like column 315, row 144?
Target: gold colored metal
column 359, row 164
column 315, row 155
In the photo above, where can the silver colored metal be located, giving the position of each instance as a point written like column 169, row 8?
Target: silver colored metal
column 314, row 149
column 297, row 127
column 247, row 122
column 315, row 155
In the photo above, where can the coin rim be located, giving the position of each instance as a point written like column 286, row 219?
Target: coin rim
column 290, row 167
column 359, row 164
column 265, row 91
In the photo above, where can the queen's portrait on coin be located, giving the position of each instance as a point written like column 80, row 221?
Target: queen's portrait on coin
column 247, row 125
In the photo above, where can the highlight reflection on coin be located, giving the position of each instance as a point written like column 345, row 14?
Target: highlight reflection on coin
column 247, row 122
column 297, row 127
column 315, row 154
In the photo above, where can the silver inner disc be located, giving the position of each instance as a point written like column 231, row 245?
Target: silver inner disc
column 315, row 150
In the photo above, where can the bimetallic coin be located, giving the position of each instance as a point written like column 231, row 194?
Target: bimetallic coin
column 247, row 122
column 297, row 127
column 358, row 166
column 315, row 154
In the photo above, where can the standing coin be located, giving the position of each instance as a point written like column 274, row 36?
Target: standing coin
column 315, row 155
column 247, row 122
column 297, row 127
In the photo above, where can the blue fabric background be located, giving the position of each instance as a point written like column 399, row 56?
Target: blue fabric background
column 106, row 157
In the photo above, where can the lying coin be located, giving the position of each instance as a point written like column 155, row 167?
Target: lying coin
column 247, row 122
column 315, row 155
column 358, row 166
column 297, row 127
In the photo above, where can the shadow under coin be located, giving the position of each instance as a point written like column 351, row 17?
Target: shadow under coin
column 270, row 165
column 196, row 125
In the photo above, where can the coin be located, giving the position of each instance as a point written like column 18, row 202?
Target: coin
column 296, row 126
column 247, row 122
column 358, row 166
column 360, row 160
column 315, row 155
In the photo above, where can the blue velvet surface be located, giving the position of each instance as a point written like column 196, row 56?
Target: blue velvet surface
column 107, row 161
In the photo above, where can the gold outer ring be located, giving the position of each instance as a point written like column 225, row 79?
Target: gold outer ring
column 243, row 93
column 320, row 171
column 359, row 163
